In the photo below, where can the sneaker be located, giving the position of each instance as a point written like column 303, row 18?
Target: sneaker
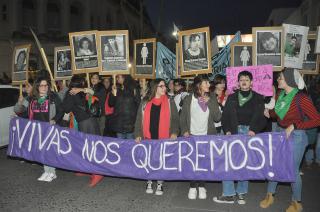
column 224, row 199
column 43, row 176
column 149, row 189
column 50, row 177
column 241, row 199
column 267, row 201
column 159, row 190
column 192, row 193
column 202, row 193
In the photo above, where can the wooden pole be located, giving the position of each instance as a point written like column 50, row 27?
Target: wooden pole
column 88, row 80
column 20, row 89
column 144, row 84
column 64, row 83
column 187, row 85
column 114, row 79
column 46, row 64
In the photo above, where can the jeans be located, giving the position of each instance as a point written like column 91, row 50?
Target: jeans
column 313, row 149
column 125, row 135
column 242, row 186
column 300, row 142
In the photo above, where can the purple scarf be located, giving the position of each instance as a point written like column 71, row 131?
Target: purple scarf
column 203, row 104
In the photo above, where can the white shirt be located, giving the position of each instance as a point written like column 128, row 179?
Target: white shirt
column 199, row 119
column 178, row 98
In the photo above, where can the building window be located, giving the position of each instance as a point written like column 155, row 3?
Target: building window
column 4, row 12
column 53, row 17
column 28, row 14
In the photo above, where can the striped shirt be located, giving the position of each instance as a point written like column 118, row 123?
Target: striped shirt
column 294, row 116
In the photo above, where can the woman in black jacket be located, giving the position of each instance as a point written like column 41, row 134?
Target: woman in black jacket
column 75, row 102
column 125, row 100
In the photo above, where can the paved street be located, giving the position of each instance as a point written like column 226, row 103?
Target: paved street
column 20, row 191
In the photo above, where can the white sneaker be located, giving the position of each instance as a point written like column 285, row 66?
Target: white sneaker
column 149, row 189
column 192, row 193
column 202, row 193
column 43, row 176
column 50, row 177
column 159, row 190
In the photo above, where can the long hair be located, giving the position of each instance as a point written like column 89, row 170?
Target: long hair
column 77, row 81
column 36, row 85
column 197, row 83
column 129, row 84
column 152, row 90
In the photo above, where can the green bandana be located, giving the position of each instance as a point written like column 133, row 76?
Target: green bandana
column 242, row 99
column 42, row 99
column 283, row 103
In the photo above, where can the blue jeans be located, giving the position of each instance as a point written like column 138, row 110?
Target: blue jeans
column 242, row 186
column 311, row 150
column 300, row 142
column 125, row 135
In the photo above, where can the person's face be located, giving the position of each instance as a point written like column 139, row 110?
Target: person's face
column 43, row 88
column 111, row 41
column 171, row 85
column 195, row 44
column 204, row 86
column 245, row 83
column 293, row 41
column 28, row 89
column 270, row 44
column 95, row 79
column 120, row 79
column 281, row 81
column 21, row 59
column 219, row 88
column 177, row 87
column 161, row 89
column 106, row 83
column 85, row 45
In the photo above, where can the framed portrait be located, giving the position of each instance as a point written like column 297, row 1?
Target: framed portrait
column 295, row 39
column 62, row 63
column 84, row 52
column 268, row 47
column 178, row 62
column 241, row 54
column 114, row 52
column 317, row 45
column 20, row 64
column 145, row 58
column 195, row 52
column 311, row 60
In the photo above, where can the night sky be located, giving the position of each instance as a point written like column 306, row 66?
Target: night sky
column 222, row 16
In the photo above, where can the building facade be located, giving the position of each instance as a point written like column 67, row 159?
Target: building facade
column 52, row 20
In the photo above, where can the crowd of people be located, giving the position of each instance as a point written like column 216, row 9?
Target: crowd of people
column 127, row 110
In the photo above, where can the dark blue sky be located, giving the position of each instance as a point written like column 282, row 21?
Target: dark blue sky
column 223, row 16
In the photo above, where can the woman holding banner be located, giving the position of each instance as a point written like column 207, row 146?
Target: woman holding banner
column 295, row 113
column 199, row 112
column 42, row 107
column 243, row 114
column 157, row 118
column 77, row 101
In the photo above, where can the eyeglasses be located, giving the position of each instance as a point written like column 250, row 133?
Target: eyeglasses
column 43, row 86
column 161, row 86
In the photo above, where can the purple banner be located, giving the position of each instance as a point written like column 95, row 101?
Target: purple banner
column 210, row 158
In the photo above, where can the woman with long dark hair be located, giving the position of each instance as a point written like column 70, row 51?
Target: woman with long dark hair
column 125, row 100
column 157, row 118
column 76, row 102
column 199, row 112
column 42, row 107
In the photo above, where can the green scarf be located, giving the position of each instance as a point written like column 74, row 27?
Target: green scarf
column 42, row 99
column 242, row 100
column 283, row 102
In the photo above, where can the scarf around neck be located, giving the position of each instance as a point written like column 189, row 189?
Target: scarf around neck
column 283, row 102
column 164, row 121
column 242, row 100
